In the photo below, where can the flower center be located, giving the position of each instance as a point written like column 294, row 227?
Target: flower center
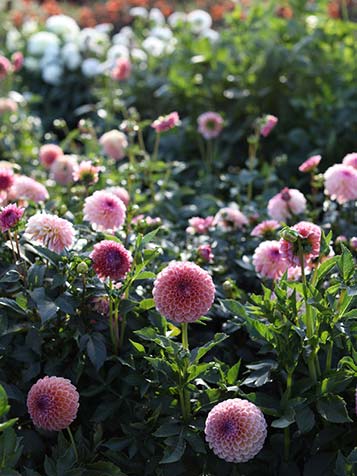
column 43, row 402
column 228, row 428
column 184, row 288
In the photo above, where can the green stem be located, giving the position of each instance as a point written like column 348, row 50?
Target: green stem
column 186, row 393
column 72, row 442
column 122, row 332
column 329, row 357
column 184, row 332
column 289, row 382
column 12, row 246
column 153, row 162
column 111, row 317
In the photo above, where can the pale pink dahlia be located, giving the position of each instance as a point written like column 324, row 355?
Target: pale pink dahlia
column 165, row 123
column 114, row 144
column 17, row 60
column 6, row 178
column 111, row 260
column 286, row 203
column 62, row 169
column 268, row 124
column 104, row 211
column 53, row 232
column 236, row 430
column 199, row 225
column 183, row 292
column 49, row 153
column 268, row 261
column 121, row 70
column 350, row 159
column 10, row 217
column 266, row 227
column 210, row 124
column 310, row 164
column 5, row 67
column 309, row 236
column 121, row 193
column 52, row 403
column 230, row 218
column 7, row 105
column 86, row 172
column 26, row 188
column 341, row 183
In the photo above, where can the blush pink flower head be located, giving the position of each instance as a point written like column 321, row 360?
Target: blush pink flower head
column 7, row 105
column 268, row 261
column 111, row 260
column 52, row 403
column 265, row 228
column 350, row 159
column 86, row 172
column 286, row 203
column 205, row 253
column 121, row 193
column 49, row 153
column 104, row 211
column 121, row 70
column 17, row 60
column 341, row 183
column 5, row 67
column 183, row 292
column 165, row 123
column 236, row 430
column 6, row 178
column 62, row 169
column 310, row 242
column 53, row 232
column 230, row 218
column 199, row 225
column 268, row 124
column 26, row 188
column 310, row 164
column 10, row 217
column 210, row 124
column 114, row 144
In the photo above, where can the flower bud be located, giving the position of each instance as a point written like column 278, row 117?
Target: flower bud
column 82, row 268
column 289, row 235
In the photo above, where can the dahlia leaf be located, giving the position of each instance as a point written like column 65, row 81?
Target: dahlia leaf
column 333, row 409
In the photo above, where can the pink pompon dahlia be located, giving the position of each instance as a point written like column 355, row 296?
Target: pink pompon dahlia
column 49, row 153
column 6, row 178
column 205, row 253
column 104, row 211
column 265, row 228
column 62, row 169
column 114, row 144
column 26, row 188
column 236, row 430
column 350, row 159
column 111, row 260
column 10, row 217
column 210, row 124
column 165, row 123
column 268, row 124
column 268, row 260
column 183, row 292
column 17, row 60
column 121, row 70
column 86, row 172
column 341, row 183
column 121, row 193
column 230, row 218
column 309, row 238
column 310, row 164
column 52, row 403
column 199, row 225
column 5, row 67
column 286, row 203
column 53, row 232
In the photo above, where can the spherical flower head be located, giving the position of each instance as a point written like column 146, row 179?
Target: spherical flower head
column 111, row 260
column 6, row 178
column 121, row 70
column 26, row 188
column 265, row 228
column 309, row 239
column 353, row 243
column 7, row 105
column 5, row 67
column 62, row 169
column 236, row 430
column 230, row 218
column 10, row 217
column 52, row 403
column 17, row 60
column 268, row 260
column 268, row 124
column 53, row 232
column 350, row 159
column 49, row 153
column 86, row 172
column 210, row 124
column 104, row 211
column 205, row 253
column 286, row 203
column 341, row 183
column 114, row 144
column 199, row 225
column 310, row 164
column 183, row 292
column 165, row 123
column 121, row 193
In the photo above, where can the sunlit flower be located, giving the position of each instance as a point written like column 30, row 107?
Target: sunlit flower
column 268, row 260
column 6, row 178
column 350, row 159
column 199, row 225
column 341, row 183
column 309, row 238
column 230, row 218
column 121, row 70
column 265, row 228
column 5, row 67
column 86, row 172
column 53, row 232
column 165, row 123
column 104, row 211
column 49, row 153
column 310, row 164
column 205, row 252
column 269, row 122
column 62, row 169
column 10, row 217
column 210, row 124
column 17, row 60
column 26, row 188
column 286, row 203
column 114, row 144
column 121, row 193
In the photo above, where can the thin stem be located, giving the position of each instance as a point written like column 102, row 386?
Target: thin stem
column 184, row 332
column 72, row 442
column 289, row 382
column 152, row 162
column 122, row 332
column 329, row 357
column 111, row 317
column 12, row 246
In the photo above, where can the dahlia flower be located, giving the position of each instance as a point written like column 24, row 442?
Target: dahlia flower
column 310, row 164
column 266, row 227
column 6, row 178
column 350, row 159
column 341, row 183
column 111, row 260
column 114, row 144
column 52, row 403
column 210, row 124
column 10, row 217
column 121, row 193
column 17, row 60
column 205, row 252
column 353, row 242
column 236, row 430
column 104, row 211
column 101, row 305
column 86, row 172
column 165, row 123
column 26, row 188
column 49, row 153
column 199, row 225
column 309, row 237
column 230, row 218
column 268, row 261
column 5, row 67
column 62, row 169
column 121, row 70
column 269, row 122
column 183, row 292
column 53, row 232
column 286, row 203
column 7, row 105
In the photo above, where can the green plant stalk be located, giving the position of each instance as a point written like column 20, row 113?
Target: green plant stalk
column 253, row 149
column 185, row 393
column 111, row 317
column 289, row 382
column 329, row 358
column 12, row 246
column 184, row 332
column 152, row 162
column 72, row 442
